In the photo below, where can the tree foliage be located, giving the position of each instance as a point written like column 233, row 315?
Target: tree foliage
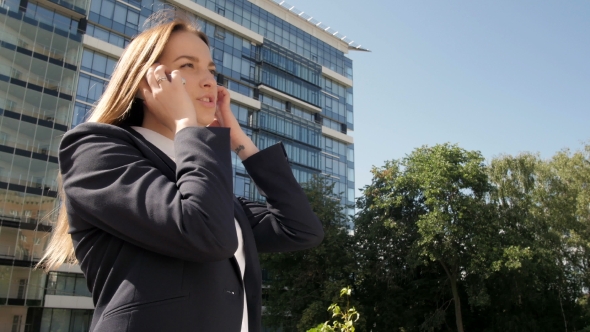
column 444, row 241
column 342, row 320
column 545, row 209
column 447, row 241
column 435, row 215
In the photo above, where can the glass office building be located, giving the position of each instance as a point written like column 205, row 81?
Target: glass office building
column 288, row 74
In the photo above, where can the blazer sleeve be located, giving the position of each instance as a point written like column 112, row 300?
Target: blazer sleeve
column 286, row 222
column 110, row 185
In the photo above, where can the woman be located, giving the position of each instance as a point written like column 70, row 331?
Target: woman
column 161, row 239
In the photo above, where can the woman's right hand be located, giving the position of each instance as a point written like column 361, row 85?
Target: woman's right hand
column 167, row 100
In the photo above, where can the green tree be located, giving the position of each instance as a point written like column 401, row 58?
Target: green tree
column 303, row 284
column 544, row 206
column 394, row 293
column 433, row 204
column 501, row 247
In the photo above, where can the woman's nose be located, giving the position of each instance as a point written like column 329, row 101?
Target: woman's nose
column 208, row 80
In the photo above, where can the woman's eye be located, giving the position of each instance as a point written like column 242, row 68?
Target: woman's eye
column 213, row 71
column 189, row 65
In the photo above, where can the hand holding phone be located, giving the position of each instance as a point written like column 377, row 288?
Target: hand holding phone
column 166, row 99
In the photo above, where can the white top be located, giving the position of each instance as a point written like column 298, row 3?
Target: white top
column 166, row 145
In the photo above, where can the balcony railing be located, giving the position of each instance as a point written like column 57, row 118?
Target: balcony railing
column 27, row 220
column 31, row 146
column 33, row 182
column 38, row 113
column 12, row 252
column 56, row 85
column 69, row 56
column 76, row 5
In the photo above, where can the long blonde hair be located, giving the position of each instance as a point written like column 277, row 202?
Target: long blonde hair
column 115, row 106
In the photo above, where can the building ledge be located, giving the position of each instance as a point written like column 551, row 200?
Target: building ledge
column 308, row 24
column 337, row 135
column 329, row 73
column 218, row 19
column 244, row 100
column 60, row 8
column 70, row 268
column 68, row 302
column 102, row 46
column 293, row 100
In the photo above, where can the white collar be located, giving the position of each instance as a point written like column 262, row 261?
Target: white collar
column 162, row 142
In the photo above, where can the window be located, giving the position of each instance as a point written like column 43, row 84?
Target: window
column 107, row 36
column 242, row 114
column 90, row 88
column 350, row 176
column 219, row 33
column 242, row 186
column 107, row 9
column 81, row 112
column 52, row 18
column 133, row 18
column 296, row 87
column 97, row 63
column 350, row 194
column 328, row 85
column 217, row 55
column 16, row 323
column 120, row 14
column 68, row 284
column 10, row 5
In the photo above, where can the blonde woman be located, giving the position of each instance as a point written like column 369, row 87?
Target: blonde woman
column 149, row 211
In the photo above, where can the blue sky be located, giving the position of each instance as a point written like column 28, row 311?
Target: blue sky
column 501, row 77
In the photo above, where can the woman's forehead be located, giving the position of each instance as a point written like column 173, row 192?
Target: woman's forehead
column 185, row 43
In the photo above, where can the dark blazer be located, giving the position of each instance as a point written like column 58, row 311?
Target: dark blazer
column 156, row 239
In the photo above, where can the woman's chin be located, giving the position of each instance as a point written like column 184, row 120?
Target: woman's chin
column 206, row 118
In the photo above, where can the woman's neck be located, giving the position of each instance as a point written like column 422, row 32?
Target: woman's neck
column 150, row 122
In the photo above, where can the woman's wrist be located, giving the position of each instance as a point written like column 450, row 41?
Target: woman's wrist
column 244, row 147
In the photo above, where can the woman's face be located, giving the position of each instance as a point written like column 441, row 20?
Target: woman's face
column 188, row 53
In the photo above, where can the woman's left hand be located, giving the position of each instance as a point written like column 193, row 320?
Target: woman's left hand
column 241, row 144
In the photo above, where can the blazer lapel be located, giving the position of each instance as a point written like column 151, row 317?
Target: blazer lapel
column 170, row 166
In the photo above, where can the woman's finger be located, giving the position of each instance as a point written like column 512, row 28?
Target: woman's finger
column 160, row 74
column 176, row 79
column 151, row 78
column 220, row 118
column 223, row 108
column 223, row 96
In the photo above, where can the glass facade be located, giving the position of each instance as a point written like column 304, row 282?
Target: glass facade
column 58, row 320
column 50, row 78
column 40, row 55
column 281, row 32
column 68, row 284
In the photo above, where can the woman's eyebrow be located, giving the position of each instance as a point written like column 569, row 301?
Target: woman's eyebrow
column 194, row 59
column 190, row 57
